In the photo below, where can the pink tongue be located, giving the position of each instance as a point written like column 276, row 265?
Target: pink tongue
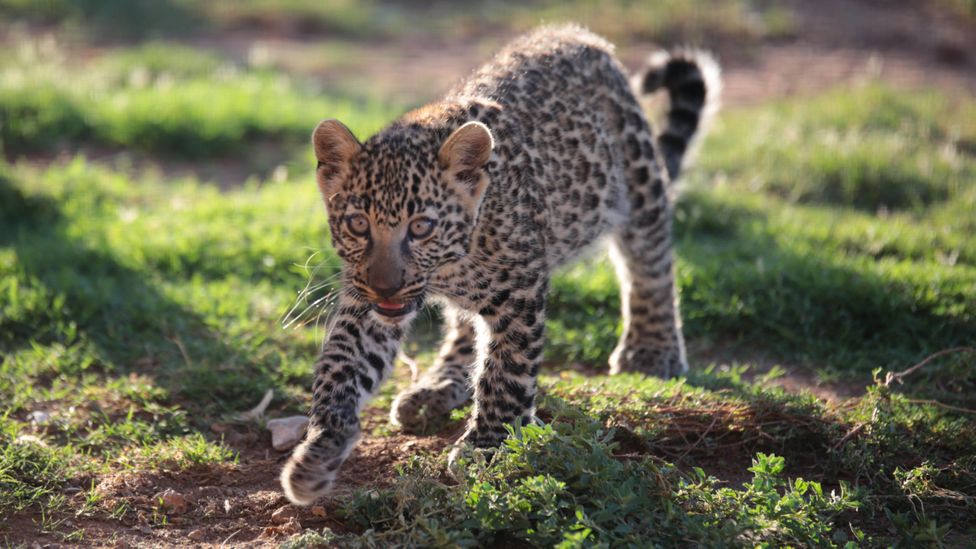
column 391, row 306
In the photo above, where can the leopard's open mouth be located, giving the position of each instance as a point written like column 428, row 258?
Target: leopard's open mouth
column 392, row 309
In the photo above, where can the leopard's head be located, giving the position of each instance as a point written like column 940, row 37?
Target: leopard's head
column 401, row 206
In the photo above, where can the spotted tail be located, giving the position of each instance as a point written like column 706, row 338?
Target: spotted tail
column 693, row 83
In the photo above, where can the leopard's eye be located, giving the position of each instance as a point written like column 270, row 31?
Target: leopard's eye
column 358, row 224
column 421, row 227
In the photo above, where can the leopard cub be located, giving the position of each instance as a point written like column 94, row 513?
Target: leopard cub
column 472, row 202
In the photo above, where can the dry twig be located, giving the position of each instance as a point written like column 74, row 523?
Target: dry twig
column 892, row 376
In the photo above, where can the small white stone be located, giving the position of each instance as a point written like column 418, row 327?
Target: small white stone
column 291, row 527
column 286, row 432
column 30, row 439
column 39, row 417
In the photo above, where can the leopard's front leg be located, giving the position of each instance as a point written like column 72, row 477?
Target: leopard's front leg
column 510, row 352
column 446, row 385
column 357, row 356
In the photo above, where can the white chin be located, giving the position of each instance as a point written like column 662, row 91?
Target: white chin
column 394, row 320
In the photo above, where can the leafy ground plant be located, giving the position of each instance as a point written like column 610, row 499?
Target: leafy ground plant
column 563, row 485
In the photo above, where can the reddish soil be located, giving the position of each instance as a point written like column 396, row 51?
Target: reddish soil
column 906, row 44
column 833, row 42
column 220, row 505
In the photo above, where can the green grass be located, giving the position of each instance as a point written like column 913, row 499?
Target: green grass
column 106, row 20
column 590, row 476
column 964, row 7
column 160, row 99
column 830, row 235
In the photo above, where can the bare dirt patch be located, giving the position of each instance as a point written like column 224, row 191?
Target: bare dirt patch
column 218, row 505
column 833, row 42
column 906, row 44
column 260, row 161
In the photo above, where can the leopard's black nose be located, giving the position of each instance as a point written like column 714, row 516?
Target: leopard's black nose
column 386, row 292
column 385, row 281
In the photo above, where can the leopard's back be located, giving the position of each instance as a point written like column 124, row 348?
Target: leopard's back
column 564, row 120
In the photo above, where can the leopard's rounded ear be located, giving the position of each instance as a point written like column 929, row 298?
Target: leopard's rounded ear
column 469, row 147
column 335, row 147
column 462, row 156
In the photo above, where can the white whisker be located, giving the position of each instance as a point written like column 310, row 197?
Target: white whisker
column 313, row 286
column 318, row 301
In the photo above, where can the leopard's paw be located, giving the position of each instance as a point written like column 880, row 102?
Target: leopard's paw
column 312, row 468
column 423, row 407
column 663, row 362
column 475, row 446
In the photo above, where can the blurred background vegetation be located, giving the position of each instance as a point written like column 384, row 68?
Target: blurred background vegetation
column 158, row 222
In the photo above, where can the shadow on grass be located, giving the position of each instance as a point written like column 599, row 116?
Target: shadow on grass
column 110, row 20
column 66, row 291
column 864, row 443
column 806, row 305
column 743, row 284
column 720, row 436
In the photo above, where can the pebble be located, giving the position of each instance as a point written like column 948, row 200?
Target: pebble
column 172, row 501
column 290, row 527
column 286, row 432
column 30, row 439
column 284, row 514
column 39, row 417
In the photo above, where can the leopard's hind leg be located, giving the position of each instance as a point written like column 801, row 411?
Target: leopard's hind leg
column 641, row 250
column 446, row 385
column 642, row 247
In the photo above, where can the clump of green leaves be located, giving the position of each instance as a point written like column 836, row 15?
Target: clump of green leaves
column 560, row 484
column 772, row 510
column 917, row 456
